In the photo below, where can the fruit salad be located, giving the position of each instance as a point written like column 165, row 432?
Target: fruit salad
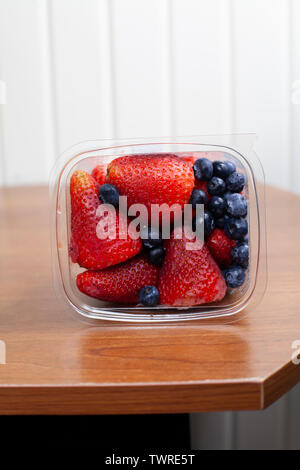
column 130, row 257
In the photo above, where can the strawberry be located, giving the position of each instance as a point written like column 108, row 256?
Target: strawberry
column 99, row 174
column 220, row 247
column 189, row 277
column 152, row 179
column 120, row 283
column 190, row 158
column 86, row 248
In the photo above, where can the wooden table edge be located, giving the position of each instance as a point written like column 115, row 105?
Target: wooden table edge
column 279, row 383
column 129, row 399
column 87, row 399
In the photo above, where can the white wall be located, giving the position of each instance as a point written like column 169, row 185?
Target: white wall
column 82, row 69
column 276, row 428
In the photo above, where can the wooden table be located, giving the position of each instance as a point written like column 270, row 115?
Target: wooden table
column 59, row 365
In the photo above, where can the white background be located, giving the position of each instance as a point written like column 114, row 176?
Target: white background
column 87, row 69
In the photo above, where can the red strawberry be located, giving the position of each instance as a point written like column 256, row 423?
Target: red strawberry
column 190, row 158
column 99, row 174
column 189, row 277
column 152, row 179
column 120, row 283
column 220, row 247
column 86, row 248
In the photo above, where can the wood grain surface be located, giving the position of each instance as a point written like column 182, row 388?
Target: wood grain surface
column 57, row 364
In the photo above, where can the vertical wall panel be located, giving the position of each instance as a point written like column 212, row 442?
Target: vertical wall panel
column 26, row 148
column 275, row 428
column 262, row 101
column 295, row 94
column 202, row 82
column 81, row 59
column 293, row 419
column 210, row 431
column 2, row 167
column 167, row 57
column 262, row 430
column 108, row 99
column 138, row 38
column 47, row 98
column 2, row 103
column 227, row 61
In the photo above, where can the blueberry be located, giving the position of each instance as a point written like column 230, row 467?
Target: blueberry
column 198, row 221
column 221, row 169
column 220, row 221
column 240, row 254
column 217, row 206
column 225, row 195
column 209, row 223
column 216, row 186
column 151, row 237
column 236, row 205
column 149, row 296
column 231, row 166
column 156, row 256
column 198, row 196
column 235, row 182
column 234, row 276
column 203, row 169
column 236, row 228
column 109, row 194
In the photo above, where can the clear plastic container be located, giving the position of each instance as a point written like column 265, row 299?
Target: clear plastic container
column 85, row 156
